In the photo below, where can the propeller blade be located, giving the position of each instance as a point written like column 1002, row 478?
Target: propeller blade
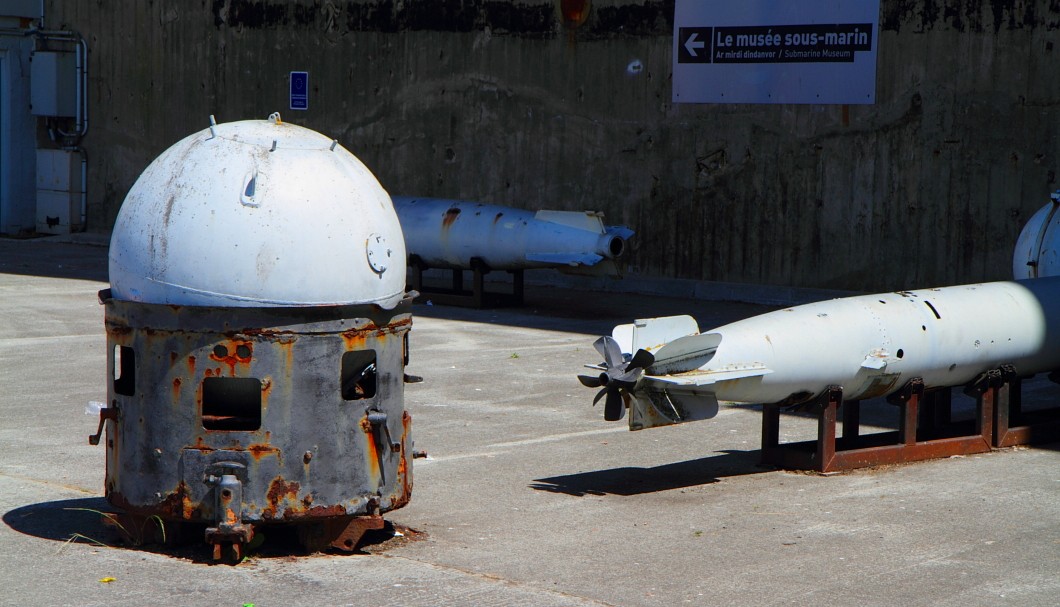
column 590, row 381
column 614, row 407
column 610, row 350
column 627, row 379
column 599, row 395
column 641, row 360
column 600, row 347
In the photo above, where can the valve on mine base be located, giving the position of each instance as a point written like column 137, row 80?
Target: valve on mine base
column 228, row 512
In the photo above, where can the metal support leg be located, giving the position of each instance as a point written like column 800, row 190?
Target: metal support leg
column 477, row 297
column 1011, row 425
column 985, row 389
column 908, row 401
column 811, row 455
column 770, row 427
column 417, row 266
column 908, row 444
column 826, row 419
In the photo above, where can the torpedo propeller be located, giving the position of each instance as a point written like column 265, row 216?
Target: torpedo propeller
column 619, row 374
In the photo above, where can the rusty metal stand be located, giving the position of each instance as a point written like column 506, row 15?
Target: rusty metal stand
column 1012, row 425
column 924, row 431
column 342, row 533
column 477, row 297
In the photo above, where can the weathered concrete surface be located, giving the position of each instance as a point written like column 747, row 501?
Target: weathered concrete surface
column 528, row 497
column 499, row 101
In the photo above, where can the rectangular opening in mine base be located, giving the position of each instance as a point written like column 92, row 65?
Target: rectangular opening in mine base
column 359, row 374
column 124, row 371
column 231, row 403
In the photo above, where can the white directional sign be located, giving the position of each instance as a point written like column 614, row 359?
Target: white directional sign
column 775, row 51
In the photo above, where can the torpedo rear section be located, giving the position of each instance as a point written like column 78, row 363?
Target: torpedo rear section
column 910, row 347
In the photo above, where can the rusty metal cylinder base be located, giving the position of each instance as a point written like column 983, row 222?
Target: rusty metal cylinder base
column 238, row 417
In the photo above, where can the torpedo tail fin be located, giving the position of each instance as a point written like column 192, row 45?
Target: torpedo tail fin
column 656, row 405
column 662, row 400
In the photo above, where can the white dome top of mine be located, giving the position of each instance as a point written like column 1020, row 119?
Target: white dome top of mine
column 257, row 213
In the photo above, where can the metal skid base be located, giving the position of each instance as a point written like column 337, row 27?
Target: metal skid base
column 343, row 533
column 457, row 295
column 925, row 429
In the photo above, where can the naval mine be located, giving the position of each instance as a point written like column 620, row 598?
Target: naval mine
column 257, row 336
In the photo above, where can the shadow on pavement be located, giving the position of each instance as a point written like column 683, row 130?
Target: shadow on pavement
column 61, row 520
column 591, row 313
column 636, row 481
column 48, row 258
column 81, row 521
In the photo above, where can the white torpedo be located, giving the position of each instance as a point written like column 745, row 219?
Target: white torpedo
column 454, row 234
column 665, row 371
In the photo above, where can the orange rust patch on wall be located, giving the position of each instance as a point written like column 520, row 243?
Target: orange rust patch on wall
column 175, row 506
column 188, row 508
column 233, row 357
column 176, row 390
column 191, row 366
column 326, row 511
column 404, row 473
column 575, row 12
column 259, row 450
column 279, row 491
column 355, row 339
column 449, row 217
column 316, row 512
column 371, row 452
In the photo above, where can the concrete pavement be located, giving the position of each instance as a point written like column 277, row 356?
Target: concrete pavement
column 528, row 496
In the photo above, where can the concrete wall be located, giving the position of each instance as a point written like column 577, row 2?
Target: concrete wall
column 501, row 101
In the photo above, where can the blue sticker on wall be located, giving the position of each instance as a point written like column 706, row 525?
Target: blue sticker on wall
column 299, row 90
